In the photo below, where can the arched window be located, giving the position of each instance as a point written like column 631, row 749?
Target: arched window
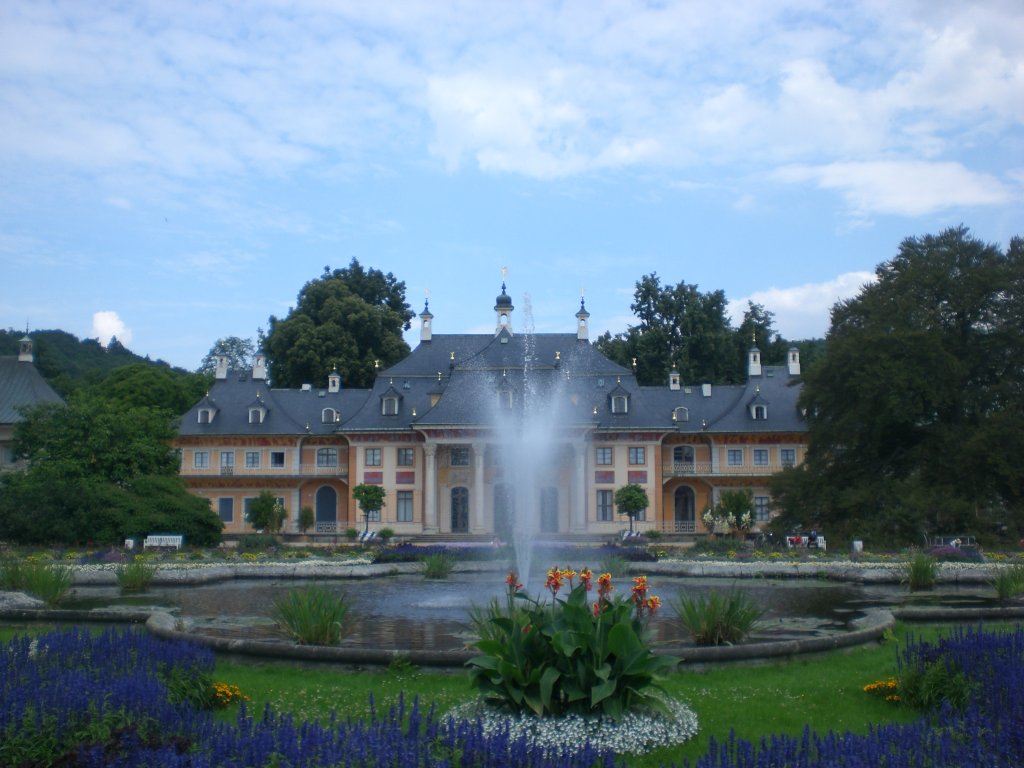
column 255, row 415
column 328, row 416
column 620, row 404
column 760, row 412
column 390, row 406
column 205, row 416
column 681, row 413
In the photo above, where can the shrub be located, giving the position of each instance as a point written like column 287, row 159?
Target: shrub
column 653, row 535
column 438, row 565
column 313, row 615
column 568, row 655
column 307, row 519
column 718, row 617
column 49, row 582
column 386, row 534
column 257, row 542
column 351, row 533
column 921, row 570
column 135, row 576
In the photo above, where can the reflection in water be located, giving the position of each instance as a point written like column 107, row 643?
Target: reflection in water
column 411, row 612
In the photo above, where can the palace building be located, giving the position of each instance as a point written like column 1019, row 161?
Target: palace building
column 21, row 386
column 470, row 426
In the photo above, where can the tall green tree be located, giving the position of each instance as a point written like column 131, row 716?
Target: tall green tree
column 918, row 401
column 370, row 499
column 99, row 471
column 157, row 386
column 631, row 501
column 679, row 327
column 347, row 318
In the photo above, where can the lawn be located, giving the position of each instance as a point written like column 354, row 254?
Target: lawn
column 824, row 692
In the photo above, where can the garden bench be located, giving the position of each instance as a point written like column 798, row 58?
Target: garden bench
column 173, row 541
column 367, row 536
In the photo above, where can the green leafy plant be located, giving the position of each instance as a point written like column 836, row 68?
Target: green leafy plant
column 616, row 565
column 921, row 570
column 49, row 582
column 351, row 533
column 266, row 513
column 631, row 500
column 718, row 617
column 438, row 565
column 569, row 655
column 386, row 534
column 313, row 615
column 257, row 542
column 135, row 576
column 370, row 498
column 926, row 688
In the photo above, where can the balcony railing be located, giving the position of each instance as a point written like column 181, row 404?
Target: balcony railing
column 689, row 469
column 305, row 470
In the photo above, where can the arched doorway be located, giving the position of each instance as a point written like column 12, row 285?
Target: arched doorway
column 326, row 510
column 460, row 510
column 684, row 503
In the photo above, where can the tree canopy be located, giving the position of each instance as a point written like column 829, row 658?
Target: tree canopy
column 99, row 471
column 684, row 328
column 370, row 499
column 347, row 319
column 631, row 501
column 238, row 351
column 916, row 409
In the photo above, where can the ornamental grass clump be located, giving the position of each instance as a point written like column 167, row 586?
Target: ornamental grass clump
column 1009, row 582
column 438, row 565
column 718, row 617
column 313, row 615
column 135, row 576
column 568, row 655
column 921, row 571
column 49, row 582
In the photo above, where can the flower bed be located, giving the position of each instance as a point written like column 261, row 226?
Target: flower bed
column 986, row 672
column 124, row 698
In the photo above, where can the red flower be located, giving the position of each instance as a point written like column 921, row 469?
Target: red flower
column 604, row 584
column 512, row 580
column 586, row 576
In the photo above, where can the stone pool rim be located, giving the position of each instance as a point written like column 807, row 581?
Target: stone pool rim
column 866, row 629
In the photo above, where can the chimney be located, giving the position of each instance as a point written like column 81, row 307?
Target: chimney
column 426, row 322
column 582, row 332
column 334, row 381
column 25, row 350
column 674, row 380
column 222, row 367
column 705, row 389
column 793, row 358
column 259, row 367
column 754, row 362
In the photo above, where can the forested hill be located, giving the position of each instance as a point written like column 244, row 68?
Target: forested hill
column 69, row 363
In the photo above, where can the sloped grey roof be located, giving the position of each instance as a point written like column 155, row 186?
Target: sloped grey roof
column 21, row 385
column 288, row 411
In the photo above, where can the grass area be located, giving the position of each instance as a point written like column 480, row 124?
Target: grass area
column 825, row 692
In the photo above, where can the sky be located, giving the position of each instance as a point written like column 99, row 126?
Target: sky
column 173, row 172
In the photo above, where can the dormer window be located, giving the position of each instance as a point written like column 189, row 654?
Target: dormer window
column 205, row 415
column 759, row 412
column 681, row 413
column 329, row 416
column 256, row 415
column 620, row 404
column 389, row 406
column 505, row 399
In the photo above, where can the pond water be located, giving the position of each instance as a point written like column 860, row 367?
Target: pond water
column 411, row 612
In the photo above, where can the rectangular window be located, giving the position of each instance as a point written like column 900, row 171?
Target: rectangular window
column 605, row 456
column 735, row 457
column 226, row 509
column 788, row 456
column 605, row 505
column 761, row 509
column 637, row 456
column 247, row 507
column 227, row 459
column 405, row 457
column 373, row 457
column 373, row 517
column 280, row 500
column 327, row 457
column 760, row 457
column 277, row 459
column 403, row 507
column 201, row 459
column 252, row 459
column 460, row 455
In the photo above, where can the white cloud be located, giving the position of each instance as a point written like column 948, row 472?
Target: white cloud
column 803, row 311
column 106, row 324
column 907, row 188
